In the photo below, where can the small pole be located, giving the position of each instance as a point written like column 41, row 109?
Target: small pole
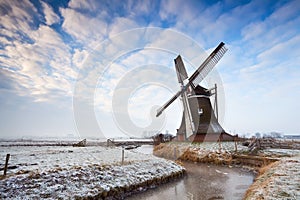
column 122, row 155
column 220, row 142
column 175, row 153
column 235, row 143
column 216, row 102
column 6, row 164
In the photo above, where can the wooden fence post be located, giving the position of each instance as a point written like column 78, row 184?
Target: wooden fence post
column 175, row 153
column 220, row 142
column 6, row 164
column 122, row 155
column 235, row 143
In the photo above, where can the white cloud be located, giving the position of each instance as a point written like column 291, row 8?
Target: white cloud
column 122, row 69
column 16, row 18
column 4, row 41
column 285, row 50
column 88, row 31
column 276, row 62
column 286, row 12
column 160, row 50
column 79, row 57
column 279, row 26
column 169, row 8
column 37, row 62
column 140, row 8
column 39, row 65
column 179, row 10
column 121, row 24
column 142, row 101
column 265, row 89
column 50, row 16
column 87, row 4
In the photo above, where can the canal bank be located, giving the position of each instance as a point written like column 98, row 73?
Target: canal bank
column 272, row 180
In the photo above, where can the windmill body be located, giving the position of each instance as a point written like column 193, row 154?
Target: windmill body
column 206, row 124
column 199, row 122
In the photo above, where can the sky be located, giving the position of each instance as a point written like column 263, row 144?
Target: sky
column 75, row 68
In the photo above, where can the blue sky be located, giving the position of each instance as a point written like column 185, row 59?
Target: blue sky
column 74, row 67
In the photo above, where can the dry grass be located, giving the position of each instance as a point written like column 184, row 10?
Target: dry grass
column 266, row 168
column 158, row 147
column 192, row 154
column 261, row 182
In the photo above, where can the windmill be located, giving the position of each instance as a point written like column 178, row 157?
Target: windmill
column 198, row 117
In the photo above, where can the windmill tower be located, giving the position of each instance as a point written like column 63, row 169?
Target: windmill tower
column 199, row 121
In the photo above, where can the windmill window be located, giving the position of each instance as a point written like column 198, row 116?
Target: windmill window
column 200, row 111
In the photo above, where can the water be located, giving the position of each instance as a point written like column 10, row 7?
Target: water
column 203, row 181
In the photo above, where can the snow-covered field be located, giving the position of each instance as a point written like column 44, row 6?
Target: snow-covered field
column 280, row 152
column 69, row 172
column 48, row 157
column 58, row 172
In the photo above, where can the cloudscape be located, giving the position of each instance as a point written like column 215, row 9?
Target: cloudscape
column 83, row 68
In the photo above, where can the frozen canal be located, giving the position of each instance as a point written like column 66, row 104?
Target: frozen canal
column 203, row 181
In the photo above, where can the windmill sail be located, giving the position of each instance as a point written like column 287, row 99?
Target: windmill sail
column 189, row 123
column 180, row 70
column 182, row 75
column 208, row 65
column 198, row 75
column 161, row 109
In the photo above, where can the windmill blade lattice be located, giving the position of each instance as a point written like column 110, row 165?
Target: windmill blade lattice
column 198, row 75
column 208, row 65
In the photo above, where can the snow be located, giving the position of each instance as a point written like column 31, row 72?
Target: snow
column 68, row 172
column 280, row 152
column 48, row 157
column 57, row 172
column 281, row 181
column 216, row 146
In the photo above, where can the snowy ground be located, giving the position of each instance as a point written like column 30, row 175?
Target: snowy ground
column 280, row 152
column 281, row 180
column 62, row 172
column 215, row 146
column 57, row 172
column 48, row 157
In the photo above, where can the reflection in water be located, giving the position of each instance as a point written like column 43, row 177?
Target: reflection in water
column 203, row 181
